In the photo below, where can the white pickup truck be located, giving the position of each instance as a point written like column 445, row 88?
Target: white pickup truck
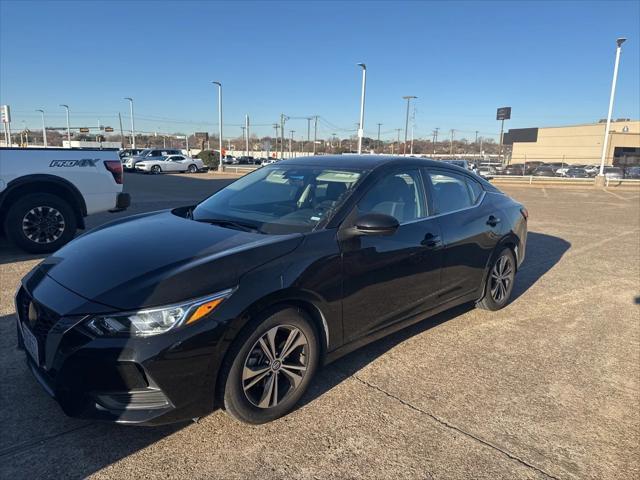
column 45, row 193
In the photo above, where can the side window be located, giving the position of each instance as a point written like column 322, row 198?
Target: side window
column 475, row 189
column 400, row 195
column 177, row 158
column 156, row 153
column 450, row 192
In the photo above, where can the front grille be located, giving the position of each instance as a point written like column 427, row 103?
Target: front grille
column 46, row 318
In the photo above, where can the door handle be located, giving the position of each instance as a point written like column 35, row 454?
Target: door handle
column 431, row 241
column 493, row 221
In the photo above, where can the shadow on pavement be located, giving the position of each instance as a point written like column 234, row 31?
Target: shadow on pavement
column 542, row 254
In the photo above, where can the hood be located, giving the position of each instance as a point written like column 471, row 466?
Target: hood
column 160, row 258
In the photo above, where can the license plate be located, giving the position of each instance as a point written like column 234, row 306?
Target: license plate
column 30, row 344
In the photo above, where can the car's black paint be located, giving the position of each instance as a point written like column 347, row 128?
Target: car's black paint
column 356, row 288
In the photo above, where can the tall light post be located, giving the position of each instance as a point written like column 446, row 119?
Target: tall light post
column 406, row 122
column 291, row 143
column 361, row 126
column 219, row 123
column 605, row 143
column 133, row 126
column 66, row 107
column 44, row 129
column 379, row 125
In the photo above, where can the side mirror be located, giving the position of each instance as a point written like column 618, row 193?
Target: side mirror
column 376, row 224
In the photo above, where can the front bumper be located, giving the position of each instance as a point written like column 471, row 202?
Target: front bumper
column 146, row 381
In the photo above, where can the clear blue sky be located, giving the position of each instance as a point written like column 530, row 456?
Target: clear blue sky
column 551, row 61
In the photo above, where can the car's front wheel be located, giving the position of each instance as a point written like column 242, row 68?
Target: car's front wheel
column 500, row 280
column 270, row 367
column 156, row 169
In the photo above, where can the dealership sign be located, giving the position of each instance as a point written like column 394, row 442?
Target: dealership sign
column 504, row 113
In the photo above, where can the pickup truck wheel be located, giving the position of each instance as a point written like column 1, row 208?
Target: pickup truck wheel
column 156, row 169
column 192, row 168
column 40, row 223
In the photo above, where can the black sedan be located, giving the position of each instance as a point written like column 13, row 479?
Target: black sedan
column 238, row 300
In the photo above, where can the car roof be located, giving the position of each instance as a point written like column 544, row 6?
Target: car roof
column 364, row 162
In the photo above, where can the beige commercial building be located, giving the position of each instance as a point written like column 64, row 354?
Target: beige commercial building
column 577, row 144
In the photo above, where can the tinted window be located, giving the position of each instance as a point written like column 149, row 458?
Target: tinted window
column 280, row 200
column 399, row 195
column 450, row 192
column 156, row 153
column 475, row 189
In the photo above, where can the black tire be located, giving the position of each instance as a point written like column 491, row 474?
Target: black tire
column 156, row 169
column 499, row 283
column 59, row 223
column 192, row 168
column 241, row 400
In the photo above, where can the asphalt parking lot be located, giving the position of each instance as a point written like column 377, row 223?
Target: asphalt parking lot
column 549, row 387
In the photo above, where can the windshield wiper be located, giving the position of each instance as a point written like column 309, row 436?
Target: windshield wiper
column 230, row 224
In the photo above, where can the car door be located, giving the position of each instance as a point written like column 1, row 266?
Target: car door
column 387, row 279
column 178, row 163
column 470, row 227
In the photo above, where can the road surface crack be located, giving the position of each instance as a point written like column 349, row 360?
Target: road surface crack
column 457, row 429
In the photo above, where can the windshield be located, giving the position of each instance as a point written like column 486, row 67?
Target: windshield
column 144, row 152
column 280, row 199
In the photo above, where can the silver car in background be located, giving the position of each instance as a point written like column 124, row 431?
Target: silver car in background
column 171, row 163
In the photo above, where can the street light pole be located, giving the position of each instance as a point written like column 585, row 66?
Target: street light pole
column 361, row 126
column 246, row 126
column 66, row 107
column 133, row 125
column 406, row 123
column 378, row 145
column 451, row 144
column 291, row 143
column 605, row 143
column 219, row 123
column 44, row 129
column 315, row 133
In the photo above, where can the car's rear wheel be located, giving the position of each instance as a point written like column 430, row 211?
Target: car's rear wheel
column 500, row 280
column 192, row 168
column 270, row 367
column 156, row 169
column 40, row 223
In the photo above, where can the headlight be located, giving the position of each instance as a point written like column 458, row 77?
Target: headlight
column 153, row 321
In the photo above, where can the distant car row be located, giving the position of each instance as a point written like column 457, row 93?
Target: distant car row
column 540, row 169
column 247, row 160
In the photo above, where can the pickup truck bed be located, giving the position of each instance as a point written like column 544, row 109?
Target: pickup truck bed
column 45, row 193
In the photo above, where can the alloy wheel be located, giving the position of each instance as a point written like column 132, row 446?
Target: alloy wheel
column 501, row 279
column 275, row 366
column 43, row 224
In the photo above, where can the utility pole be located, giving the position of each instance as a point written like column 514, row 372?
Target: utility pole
column 121, row 131
column 244, row 137
column 477, row 138
column 246, row 124
column 308, row 131
column 133, row 127
column 435, row 139
column 219, row 84
column 361, row 125
column 378, row 144
column 44, row 129
column 291, row 143
column 283, row 118
column 66, row 107
column 276, row 126
column 315, row 133
column 406, row 123
column 411, row 151
column 333, row 139
column 398, row 130
column 451, row 143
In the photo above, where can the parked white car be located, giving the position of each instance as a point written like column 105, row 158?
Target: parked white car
column 171, row 163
